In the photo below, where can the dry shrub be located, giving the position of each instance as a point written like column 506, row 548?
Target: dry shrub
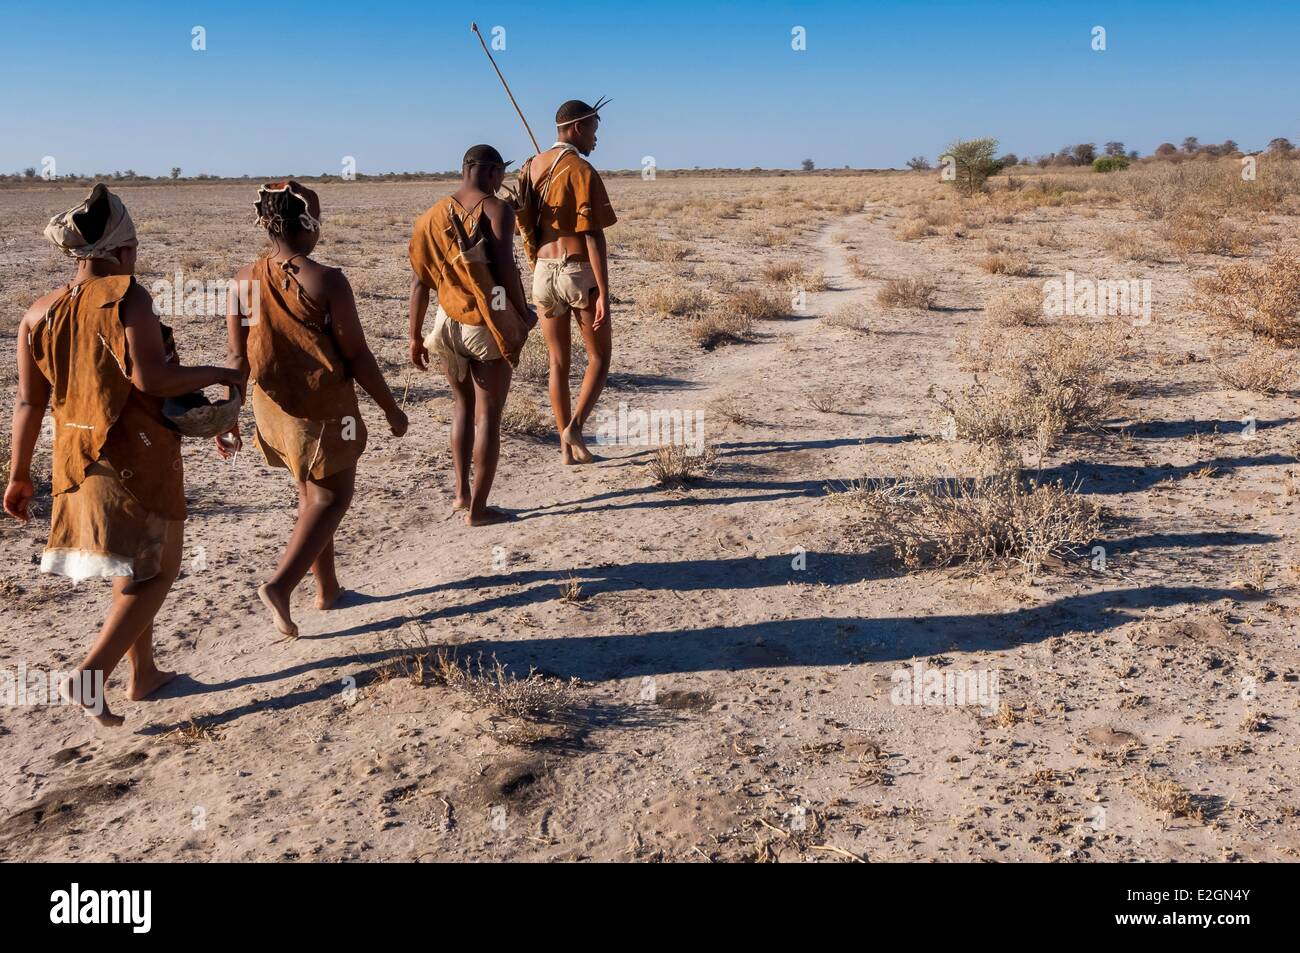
column 675, row 296
column 1262, row 370
column 1008, row 263
column 1132, row 245
column 1021, row 306
column 916, row 293
column 1063, row 381
column 815, row 281
column 825, row 401
column 914, row 228
column 861, row 267
column 1167, row 796
column 653, row 248
column 999, row 517
column 1263, row 299
column 1048, row 238
column 754, row 304
column 943, row 217
column 674, row 465
column 534, row 698
column 849, row 317
column 1193, row 229
column 783, row 272
column 524, row 417
column 720, row 327
column 731, row 408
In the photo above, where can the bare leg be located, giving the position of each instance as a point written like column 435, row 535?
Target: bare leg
column 491, row 384
column 319, row 516
column 328, row 589
column 557, row 334
column 462, row 434
column 146, row 676
column 600, row 346
column 130, row 617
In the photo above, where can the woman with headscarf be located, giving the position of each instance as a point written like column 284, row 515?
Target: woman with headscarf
column 298, row 337
column 95, row 351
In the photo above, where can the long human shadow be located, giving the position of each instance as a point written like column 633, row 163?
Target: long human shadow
column 532, row 587
column 730, row 574
column 755, row 491
column 1200, row 540
column 1174, row 429
column 830, row 641
column 773, row 644
column 1109, row 478
column 623, row 379
column 747, row 448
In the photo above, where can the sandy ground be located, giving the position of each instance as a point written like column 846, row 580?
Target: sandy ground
column 732, row 648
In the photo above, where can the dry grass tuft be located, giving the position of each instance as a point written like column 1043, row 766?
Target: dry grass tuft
column 730, row 408
column 1262, row 370
column 674, row 466
column 718, row 328
column 996, row 518
column 1167, row 796
column 915, row 293
column 861, row 267
column 1263, row 299
column 534, row 698
column 783, row 272
column 1063, row 381
column 675, row 296
column 1021, row 306
column 1008, row 263
column 195, row 731
column 1194, row 229
column 754, row 304
column 1132, row 245
column 571, row 592
column 912, row 229
column 653, row 248
column 849, row 317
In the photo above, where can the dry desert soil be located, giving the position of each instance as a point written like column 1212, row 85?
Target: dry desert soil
column 712, row 664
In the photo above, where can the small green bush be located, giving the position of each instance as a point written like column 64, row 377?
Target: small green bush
column 1110, row 164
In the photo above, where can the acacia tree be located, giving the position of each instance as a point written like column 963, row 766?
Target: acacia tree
column 972, row 162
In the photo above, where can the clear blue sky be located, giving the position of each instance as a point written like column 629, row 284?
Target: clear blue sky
column 293, row 87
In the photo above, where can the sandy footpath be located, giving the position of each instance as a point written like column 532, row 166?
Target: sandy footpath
column 733, row 650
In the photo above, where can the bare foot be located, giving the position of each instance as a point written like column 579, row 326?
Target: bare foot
column 566, row 455
column 572, row 438
column 70, row 689
column 328, row 598
column 461, row 502
column 279, row 607
column 486, row 517
column 142, row 686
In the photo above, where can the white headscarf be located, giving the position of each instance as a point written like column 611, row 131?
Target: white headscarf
column 119, row 231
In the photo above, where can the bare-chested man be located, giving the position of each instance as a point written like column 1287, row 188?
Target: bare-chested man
column 96, row 351
column 462, row 249
column 572, row 273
